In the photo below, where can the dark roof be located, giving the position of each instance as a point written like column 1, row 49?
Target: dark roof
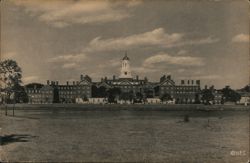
column 46, row 87
column 33, row 85
column 125, row 57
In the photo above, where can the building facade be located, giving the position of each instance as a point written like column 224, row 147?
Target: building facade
column 33, row 92
column 128, row 86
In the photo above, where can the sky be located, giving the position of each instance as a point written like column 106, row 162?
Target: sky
column 187, row 39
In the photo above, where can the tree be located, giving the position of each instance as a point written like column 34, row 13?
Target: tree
column 246, row 88
column 230, row 95
column 99, row 92
column 157, row 90
column 84, row 97
column 149, row 93
column 166, row 97
column 20, row 94
column 10, row 75
column 197, row 98
column 102, row 92
column 94, row 91
column 113, row 94
column 127, row 96
column 207, row 96
column 138, row 97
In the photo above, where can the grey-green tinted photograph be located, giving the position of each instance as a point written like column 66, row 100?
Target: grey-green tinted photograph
column 124, row 81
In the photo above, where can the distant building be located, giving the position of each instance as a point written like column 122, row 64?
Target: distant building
column 86, row 89
column 186, row 92
column 47, row 94
column 245, row 98
column 218, row 97
column 153, row 100
column 33, row 92
column 97, row 100
column 78, row 89
column 245, row 95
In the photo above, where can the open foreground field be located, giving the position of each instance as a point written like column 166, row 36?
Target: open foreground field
column 63, row 135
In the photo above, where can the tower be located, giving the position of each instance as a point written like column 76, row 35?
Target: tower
column 125, row 71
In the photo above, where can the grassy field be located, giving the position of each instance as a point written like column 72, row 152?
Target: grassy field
column 63, row 135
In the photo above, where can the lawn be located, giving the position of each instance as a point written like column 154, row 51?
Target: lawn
column 64, row 135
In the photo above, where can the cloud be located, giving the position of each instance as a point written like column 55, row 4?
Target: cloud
column 62, row 13
column 29, row 79
column 174, row 60
column 110, row 63
column 132, row 3
column 156, row 37
column 209, row 77
column 181, row 70
column 68, row 58
column 241, row 38
column 70, row 65
column 208, row 40
column 158, row 63
column 181, row 52
column 203, row 77
column 143, row 70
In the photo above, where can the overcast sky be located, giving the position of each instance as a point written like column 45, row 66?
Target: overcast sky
column 189, row 39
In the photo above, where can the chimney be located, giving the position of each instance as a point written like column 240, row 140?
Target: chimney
column 192, row 82
column 205, row 86
column 67, row 82
column 169, row 77
column 57, row 83
column 137, row 77
column 188, row 82
column 113, row 77
column 163, row 78
column 198, row 82
column 47, row 82
column 106, row 78
column 73, row 82
column 182, row 82
column 81, row 78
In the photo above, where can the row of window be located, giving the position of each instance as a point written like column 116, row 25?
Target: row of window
column 41, row 96
column 70, row 87
column 72, row 92
column 33, row 91
column 177, row 92
column 86, row 89
column 177, row 88
column 39, row 91
column 68, row 96
column 187, row 88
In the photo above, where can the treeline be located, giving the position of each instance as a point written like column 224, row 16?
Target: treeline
column 10, row 76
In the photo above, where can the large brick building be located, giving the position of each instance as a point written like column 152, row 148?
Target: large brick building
column 186, row 92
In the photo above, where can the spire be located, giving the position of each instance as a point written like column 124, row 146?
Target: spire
column 125, row 57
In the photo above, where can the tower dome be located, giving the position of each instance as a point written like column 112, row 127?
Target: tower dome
column 125, row 70
column 125, row 57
